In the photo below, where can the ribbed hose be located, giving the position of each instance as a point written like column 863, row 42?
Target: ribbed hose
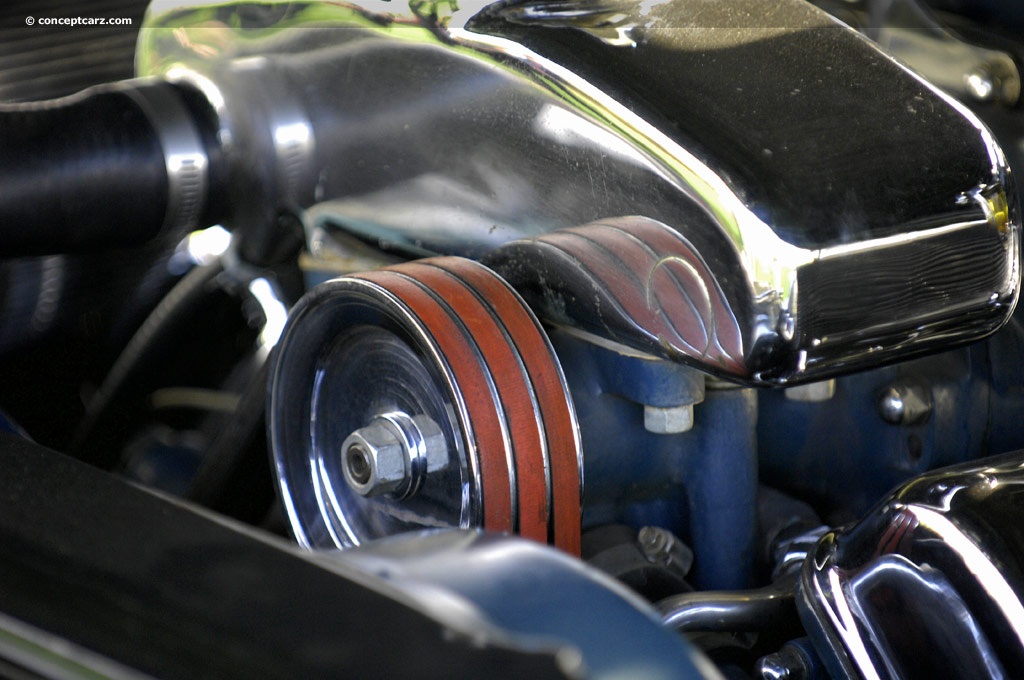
column 90, row 171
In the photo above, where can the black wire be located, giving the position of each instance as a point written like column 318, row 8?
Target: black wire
column 169, row 320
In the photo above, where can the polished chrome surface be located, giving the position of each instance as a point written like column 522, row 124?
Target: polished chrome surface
column 422, row 395
column 349, row 355
column 912, row 32
column 930, row 583
column 392, row 454
column 790, row 553
column 905, row 403
column 845, row 211
column 634, row 281
column 789, row 663
column 768, row 608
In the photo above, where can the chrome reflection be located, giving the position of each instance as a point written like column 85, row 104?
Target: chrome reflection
column 764, row 609
column 432, row 130
column 184, row 155
column 275, row 312
column 929, row 584
column 915, row 34
column 651, row 284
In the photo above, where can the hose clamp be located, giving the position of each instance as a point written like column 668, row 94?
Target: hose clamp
column 184, row 152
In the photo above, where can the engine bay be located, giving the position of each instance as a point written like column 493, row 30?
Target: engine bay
column 619, row 339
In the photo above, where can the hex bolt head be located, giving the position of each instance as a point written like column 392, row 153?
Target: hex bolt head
column 393, row 454
column 668, row 420
column 661, row 546
column 434, row 443
column 374, row 460
column 654, row 542
column 359, row 462
column 789, row 663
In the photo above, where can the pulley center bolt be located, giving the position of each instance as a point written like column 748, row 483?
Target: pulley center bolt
column 393, row 454
column 358, row 462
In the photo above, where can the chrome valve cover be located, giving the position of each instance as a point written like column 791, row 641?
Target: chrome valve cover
column 930, row 583
column 847, row 212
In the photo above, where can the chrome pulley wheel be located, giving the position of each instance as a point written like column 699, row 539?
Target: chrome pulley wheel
column 422, row 395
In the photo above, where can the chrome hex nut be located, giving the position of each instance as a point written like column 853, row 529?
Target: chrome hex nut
column 375, row 460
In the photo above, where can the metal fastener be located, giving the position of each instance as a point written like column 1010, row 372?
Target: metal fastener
column 668, row 420
column 393, row 454
column 814, row 392
column 905, row 403
column 374, row 460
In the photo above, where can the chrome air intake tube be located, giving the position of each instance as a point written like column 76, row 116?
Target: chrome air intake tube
column 812, row 242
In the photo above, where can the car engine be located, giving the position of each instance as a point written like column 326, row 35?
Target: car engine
column 568, row 338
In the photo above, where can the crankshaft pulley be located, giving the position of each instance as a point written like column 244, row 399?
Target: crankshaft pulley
column 423, row 395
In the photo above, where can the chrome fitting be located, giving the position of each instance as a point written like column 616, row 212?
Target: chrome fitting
column 905, row 404
column 392, row 454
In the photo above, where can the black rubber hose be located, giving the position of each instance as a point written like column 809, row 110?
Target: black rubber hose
column 84, row 172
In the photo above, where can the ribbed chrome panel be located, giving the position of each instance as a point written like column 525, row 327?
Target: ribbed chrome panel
column 923, row 281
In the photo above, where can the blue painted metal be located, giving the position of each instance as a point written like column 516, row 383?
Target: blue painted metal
column 701, row 484
column 720, row 473
column 534, row 597
column 841, row 456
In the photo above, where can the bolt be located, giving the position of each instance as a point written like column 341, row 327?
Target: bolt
column 771, row 667
column 661, row 546
column 786, row 664
column 905, row 404
column 359, row 463
column 668, row 420
column 435, row 447
column 814, row 392
column 654, row 542
column 392, row 454
column 374, row 460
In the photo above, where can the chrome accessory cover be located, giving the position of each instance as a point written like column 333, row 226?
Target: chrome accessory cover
column 850, row 213
column 930, row 583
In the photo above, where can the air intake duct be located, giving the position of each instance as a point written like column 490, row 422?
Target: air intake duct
column 113, row 165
